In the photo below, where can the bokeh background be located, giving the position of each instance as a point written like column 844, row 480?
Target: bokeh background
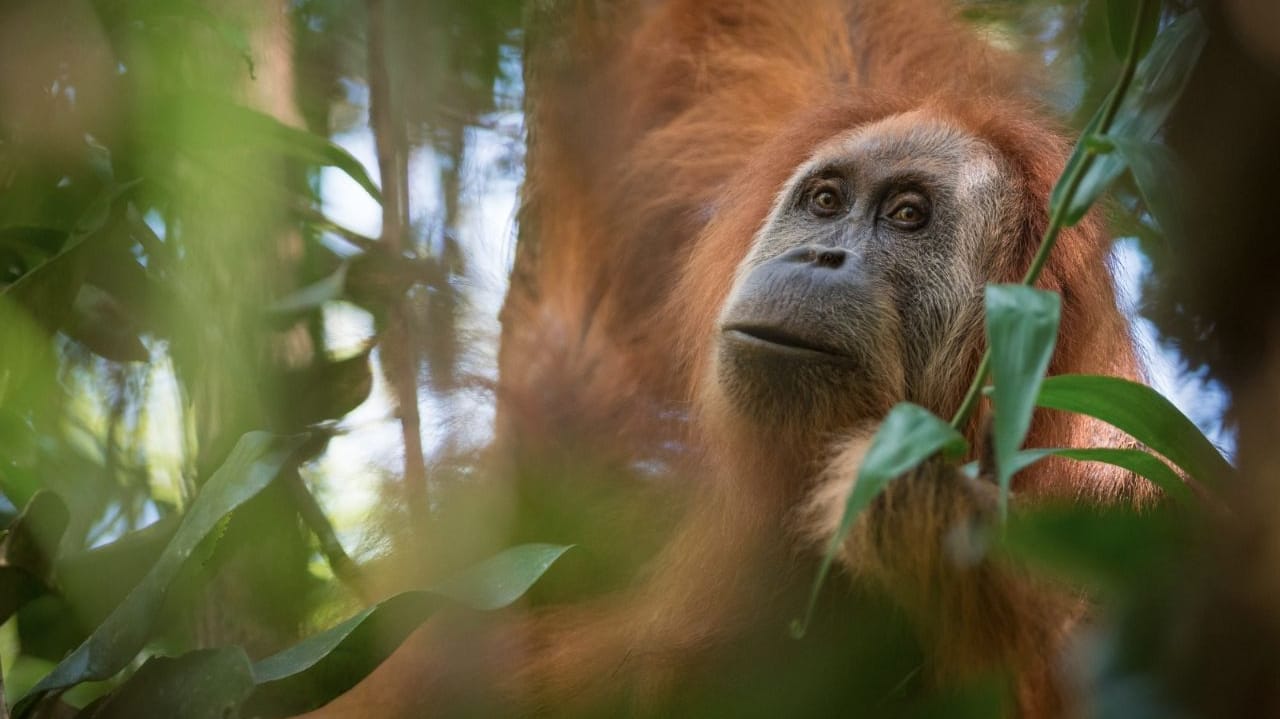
column 299, row 216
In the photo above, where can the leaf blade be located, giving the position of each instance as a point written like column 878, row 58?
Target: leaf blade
column 908, row 436
column 1022, row 331
column 251, row 466
column 1144, row 414
column 1143, row 464
column 284, row 678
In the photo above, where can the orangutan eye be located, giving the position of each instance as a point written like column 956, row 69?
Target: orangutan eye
column 826, row 200
column 908, row 211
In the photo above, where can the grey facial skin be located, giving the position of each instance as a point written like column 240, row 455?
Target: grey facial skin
column 864, row 285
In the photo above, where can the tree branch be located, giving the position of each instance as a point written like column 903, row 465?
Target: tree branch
column 398, row 354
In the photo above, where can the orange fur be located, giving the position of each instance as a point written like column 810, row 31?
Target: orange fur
column 661, row 133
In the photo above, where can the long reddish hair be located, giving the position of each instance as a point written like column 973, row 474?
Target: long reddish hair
column 660, row 136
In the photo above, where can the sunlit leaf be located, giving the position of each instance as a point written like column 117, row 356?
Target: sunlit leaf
column 1022, row 330
column 1143, row 413
column 252, row 465
column 501, row 579
column 909, row 435
column 29, row 396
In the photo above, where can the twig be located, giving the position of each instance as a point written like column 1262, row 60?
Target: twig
column 1058, row 220
column 399, row 357
column 317, row 219
column 314, row 517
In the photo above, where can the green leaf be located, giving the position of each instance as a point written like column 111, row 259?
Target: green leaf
column 27, row 551
column 223, row 122
column 96, row 580
column 348, row 383
column 909, row 435
column 1022, row 330
column 167, row 17
column 326, row 664
column 1143, row 464
column 1092, row 185
column 1158, row 82
column 103, row 324
column 29, row 395
column 23, row 247
column 1161, row 77
column 501, row 579
column 203, row 684
column 95, row 216
column 48, row 290
column 979, row 697
column 1121, row 17
column 252, row 465
column 31, row 542
column 1098, row 63
column 1107, row 548
column 1143, row 413
column 1160, row 179
column 231, row 34
column 492, row 584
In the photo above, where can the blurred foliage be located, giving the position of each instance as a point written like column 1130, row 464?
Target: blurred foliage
column 167, row 278
column 176, row 300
